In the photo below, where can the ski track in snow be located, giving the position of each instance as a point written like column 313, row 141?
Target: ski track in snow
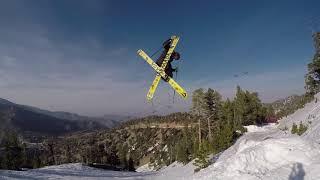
column 262, row 153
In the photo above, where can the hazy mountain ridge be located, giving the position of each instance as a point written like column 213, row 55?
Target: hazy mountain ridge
column 31, row 121
column 107, row 120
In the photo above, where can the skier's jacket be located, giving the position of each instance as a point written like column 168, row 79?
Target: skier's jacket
column 174, row 56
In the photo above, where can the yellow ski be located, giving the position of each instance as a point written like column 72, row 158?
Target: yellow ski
column 156, row 81
column 162, row 74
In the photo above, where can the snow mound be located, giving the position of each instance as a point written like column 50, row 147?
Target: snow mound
column 254, row 128
column 176, row 171
column 145, row 168
column 258, row 155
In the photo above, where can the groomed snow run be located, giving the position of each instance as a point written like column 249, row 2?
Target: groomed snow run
column 262, row 153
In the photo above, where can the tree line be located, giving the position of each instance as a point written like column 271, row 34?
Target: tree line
column 220, row 123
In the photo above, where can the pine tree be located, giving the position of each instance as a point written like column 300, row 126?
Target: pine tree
column 201, row 160
column 255, row 112
column 226, row 136
column 24, row 158
column 131, row 164
column 13, row 152
column 112, row 157
column 248, row 108
column 51, row 160
column 312, row 78
column 182, row 153
column 212, row 108
column 294, row 128
column 228, row 112
column 197, row 108
column 122, row 153
column 36, row 161
column 240, row 106
column 68, row 154
column 302, row 128
column 184, row 147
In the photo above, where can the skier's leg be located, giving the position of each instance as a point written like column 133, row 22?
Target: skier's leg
column 168, row 71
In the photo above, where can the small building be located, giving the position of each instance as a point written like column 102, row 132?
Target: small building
column 271, row 119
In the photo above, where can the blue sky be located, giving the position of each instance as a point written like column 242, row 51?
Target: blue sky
column 80, row 56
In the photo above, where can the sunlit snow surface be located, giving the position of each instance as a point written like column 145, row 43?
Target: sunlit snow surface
column 262, row 153
column 72, row 171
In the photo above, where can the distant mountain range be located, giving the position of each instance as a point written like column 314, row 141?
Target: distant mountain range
column 32, row 121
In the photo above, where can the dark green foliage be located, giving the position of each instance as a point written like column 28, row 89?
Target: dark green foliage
column 228, row 112
column 68, row 153
column 212, row 104
column 219, row 120
column 122, row 154
column 302, row 128
column 294, row 128
column 184, row 148
column 224, row 138
column 36, row 162
column 131, row 165
column 248, row 108
column 201, row 158
column 182, row 153
column 213, row 110
column 113, row 158
column 312, row 78
column 13, row 152
column 299, row 130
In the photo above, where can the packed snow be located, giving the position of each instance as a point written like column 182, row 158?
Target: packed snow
column 69, row 171
column 145, row 168
column 267, row 152
column 271, row 152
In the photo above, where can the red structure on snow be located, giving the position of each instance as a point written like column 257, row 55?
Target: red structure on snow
column 271, row 119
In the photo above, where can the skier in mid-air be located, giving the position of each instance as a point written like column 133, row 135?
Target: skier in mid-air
column 163, row 67
column 174, row 56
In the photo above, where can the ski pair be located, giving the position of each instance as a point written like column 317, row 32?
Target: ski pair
column 160, row 71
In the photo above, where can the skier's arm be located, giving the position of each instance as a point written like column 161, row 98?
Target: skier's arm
column 166, row 44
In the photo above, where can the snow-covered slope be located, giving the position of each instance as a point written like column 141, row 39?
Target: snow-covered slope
column 262, row 153
column 309, row 115
column 270, row 153
column 266, row 154
column 72, row 171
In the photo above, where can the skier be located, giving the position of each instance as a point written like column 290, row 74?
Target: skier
column 165, row 61
column 174, row 56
